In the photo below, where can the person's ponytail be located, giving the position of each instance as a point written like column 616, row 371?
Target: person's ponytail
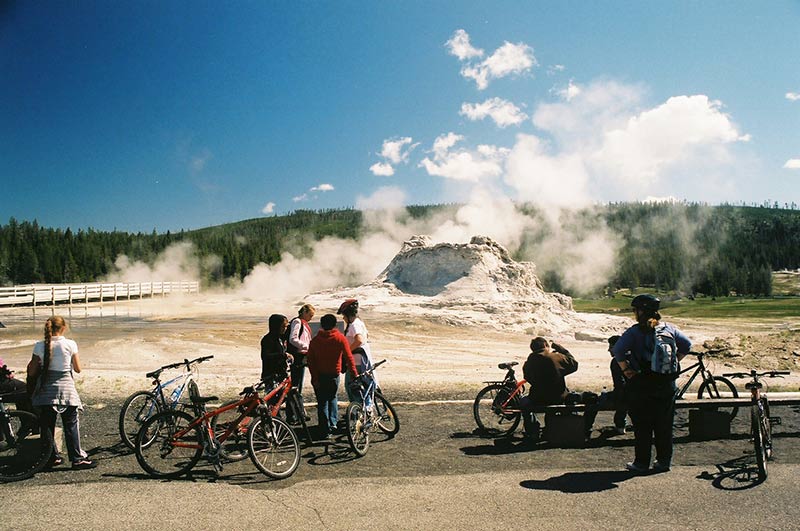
column 48, row 347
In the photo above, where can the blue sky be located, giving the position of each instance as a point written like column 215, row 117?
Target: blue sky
column 170, row 115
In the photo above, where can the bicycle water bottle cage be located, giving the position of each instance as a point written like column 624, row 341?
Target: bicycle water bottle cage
column 507, row 365
column 753, row 385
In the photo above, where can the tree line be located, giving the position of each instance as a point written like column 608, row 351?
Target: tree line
column 690, row 248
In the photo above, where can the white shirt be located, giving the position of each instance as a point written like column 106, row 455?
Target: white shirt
column 62, row 351
column 355, row 328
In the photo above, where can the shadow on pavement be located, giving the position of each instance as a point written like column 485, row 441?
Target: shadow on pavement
column 580, row 482
column 736, row 474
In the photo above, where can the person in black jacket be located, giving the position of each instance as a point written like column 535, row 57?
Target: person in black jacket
column 274, row 359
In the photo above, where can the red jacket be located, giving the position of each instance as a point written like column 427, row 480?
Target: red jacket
column 325, row 354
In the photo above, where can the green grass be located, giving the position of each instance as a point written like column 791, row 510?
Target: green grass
column 704, row 307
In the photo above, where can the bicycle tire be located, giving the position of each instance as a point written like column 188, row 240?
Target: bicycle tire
column 273, row 447
column 759, row 444
column 386, row 417
column 136, row 409
column 234, row 448
column 357, row 430
column 486, row 410
column 712, row 390
column 154, row 445
column 22, row 457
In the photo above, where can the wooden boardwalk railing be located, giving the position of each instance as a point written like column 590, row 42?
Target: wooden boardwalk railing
column 55, row 294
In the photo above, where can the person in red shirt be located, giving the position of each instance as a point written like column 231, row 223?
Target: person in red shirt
column 328, row 353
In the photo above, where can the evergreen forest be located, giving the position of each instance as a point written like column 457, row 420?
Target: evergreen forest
column 689, row 248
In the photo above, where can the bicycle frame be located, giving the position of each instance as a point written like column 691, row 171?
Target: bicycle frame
column 510, row 380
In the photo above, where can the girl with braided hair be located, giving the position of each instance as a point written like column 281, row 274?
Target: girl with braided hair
column 52, row 365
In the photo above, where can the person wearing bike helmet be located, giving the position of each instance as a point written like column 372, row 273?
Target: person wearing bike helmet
column 650, row 395
column 356, row 333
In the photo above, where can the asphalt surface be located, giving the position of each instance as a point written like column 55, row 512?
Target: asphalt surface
column 437, row 473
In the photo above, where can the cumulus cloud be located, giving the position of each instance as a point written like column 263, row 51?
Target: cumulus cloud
column 570, row 92
column 656, row 138
column 793, row 96
column 508, row 59
column 460, row 46
column 324, row 187
column 503, row 112
column 463, row 164
column 269, row 208
column 792, row 164
column 394, row 151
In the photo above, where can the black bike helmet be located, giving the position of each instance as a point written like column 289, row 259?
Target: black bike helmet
column 646, row 302
column 348, row 307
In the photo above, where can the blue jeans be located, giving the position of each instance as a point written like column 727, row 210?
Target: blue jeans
column 325, row 390
column 72, row 436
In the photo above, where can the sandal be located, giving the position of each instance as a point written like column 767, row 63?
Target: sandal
column 55, row 461
column 83, row 464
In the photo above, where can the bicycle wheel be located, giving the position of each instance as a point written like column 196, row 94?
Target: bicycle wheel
column 160, row 452
column 137, row 408
column 716, row 389
column 759, row 442
column 357, row 429
column 273, row 447
column 488, row 414
column 25, row 447
column 386, row 417
column 234, row 448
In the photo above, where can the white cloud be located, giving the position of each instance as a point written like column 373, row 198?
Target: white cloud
column 792, row 164
column 198, row 162
column 554, row 69
column 570, row 92
column 656, row 138
column 383, row 169
column 301, row 197
column 463, row 165
column 269, row 208
column 793, row 96
column 509, row 59
column 324, row 187
column 393, row 151
column 460, row 46
column 503, row 112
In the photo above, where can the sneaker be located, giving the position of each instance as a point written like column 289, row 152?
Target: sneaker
column 84, row 464
column 633, row 466
column 658, row 467
column 618, row 430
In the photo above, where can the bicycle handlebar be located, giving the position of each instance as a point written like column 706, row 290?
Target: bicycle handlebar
column 187, row 363
column 375, row 366
column 753, row 374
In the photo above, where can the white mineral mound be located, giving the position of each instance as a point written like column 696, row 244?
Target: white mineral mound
column 476, row 283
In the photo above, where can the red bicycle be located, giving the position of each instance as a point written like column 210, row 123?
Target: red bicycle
column 170, row 443
column 496, row 408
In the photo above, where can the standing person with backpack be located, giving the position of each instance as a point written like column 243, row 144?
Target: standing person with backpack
column 655, row 350
column 297, row 346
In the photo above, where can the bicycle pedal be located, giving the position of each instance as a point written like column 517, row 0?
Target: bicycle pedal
column 775, row 421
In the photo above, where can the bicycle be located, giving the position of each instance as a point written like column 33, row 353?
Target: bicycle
column 372, row 413
column 171, row 443
column 142, row 405
column 710, row 385
column 25, row 446
column 760, row 421
column 496, row 407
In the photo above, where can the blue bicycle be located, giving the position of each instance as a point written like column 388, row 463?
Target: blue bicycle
column 142, row 405
column 372, row 412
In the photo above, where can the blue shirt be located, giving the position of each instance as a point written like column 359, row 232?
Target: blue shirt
column 639, row 343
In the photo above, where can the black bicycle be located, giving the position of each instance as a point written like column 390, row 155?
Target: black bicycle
column 25, row 447
column 760, row 421
column 710, row 386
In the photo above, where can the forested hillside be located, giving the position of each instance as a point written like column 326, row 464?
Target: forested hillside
column 690, row 248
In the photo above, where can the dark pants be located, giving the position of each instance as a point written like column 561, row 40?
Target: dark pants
column 652, row 407
column 72, row 436
column 532, row 426
column 618, row 395
column 298, row 371
column 325, row 389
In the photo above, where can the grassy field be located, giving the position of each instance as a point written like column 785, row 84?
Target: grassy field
column 712, row 308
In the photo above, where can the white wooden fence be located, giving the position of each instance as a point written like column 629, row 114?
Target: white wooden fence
column 53, row 294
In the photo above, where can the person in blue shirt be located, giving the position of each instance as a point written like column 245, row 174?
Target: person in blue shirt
column 650, row 395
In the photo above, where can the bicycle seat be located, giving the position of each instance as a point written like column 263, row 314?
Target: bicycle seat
column 154, row 374
column 203, row 399
column 507, row 365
